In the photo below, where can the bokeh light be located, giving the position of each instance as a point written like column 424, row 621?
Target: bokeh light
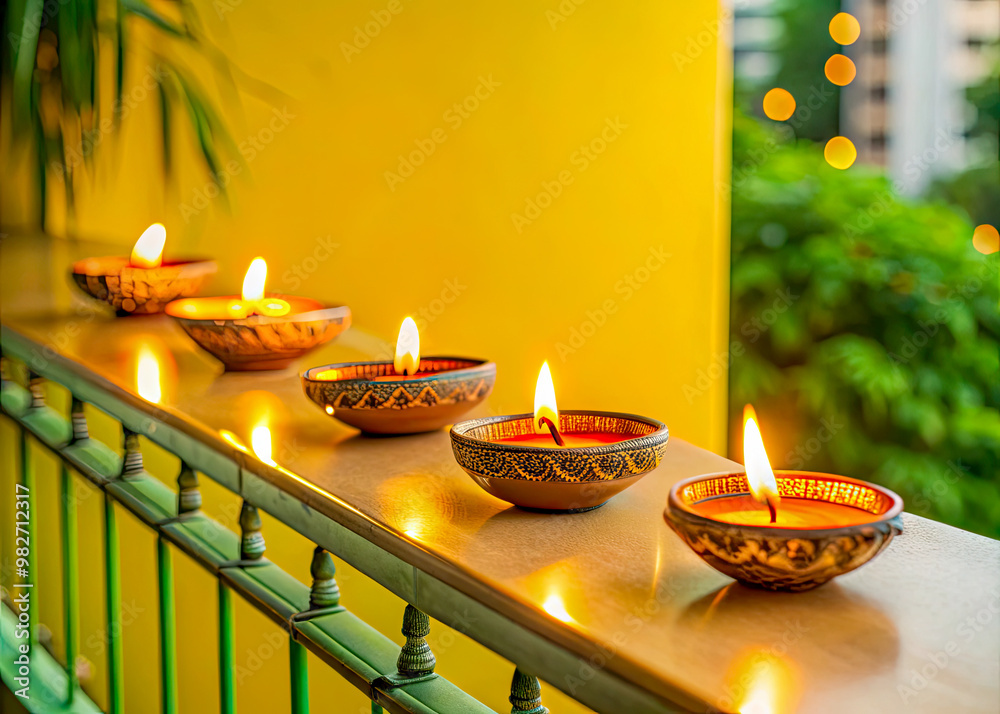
column 986, row 239
column 779, row 104
column 840, row 70
column 845, row 28
column 840, row 152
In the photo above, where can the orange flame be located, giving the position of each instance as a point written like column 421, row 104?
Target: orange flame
column 545, row 400
column 407, row 359
column 760, row 476
column 253, row 281
column 148, row 250
column 254, row 301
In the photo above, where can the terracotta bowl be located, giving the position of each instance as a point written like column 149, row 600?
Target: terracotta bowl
column 787, row 559
column 570, row 479
column 370, row 395
column 259, row 342
column 138, row 291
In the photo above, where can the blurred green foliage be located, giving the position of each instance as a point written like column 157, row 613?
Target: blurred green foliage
column 888, row 326
column 62, row 107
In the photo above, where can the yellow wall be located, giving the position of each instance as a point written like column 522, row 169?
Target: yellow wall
column 621, row 283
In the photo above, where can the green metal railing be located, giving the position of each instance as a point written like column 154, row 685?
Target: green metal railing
column 394, row 679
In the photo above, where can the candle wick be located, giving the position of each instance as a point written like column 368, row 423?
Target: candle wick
column 772, row 510
column 556, row 436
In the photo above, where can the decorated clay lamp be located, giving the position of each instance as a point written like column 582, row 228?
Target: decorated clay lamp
column 143, row 282
column 256, row 331
column 784, row 530
column 409, row 395
column 550, row 461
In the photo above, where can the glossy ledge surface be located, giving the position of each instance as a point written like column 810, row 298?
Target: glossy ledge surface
column 613, row 584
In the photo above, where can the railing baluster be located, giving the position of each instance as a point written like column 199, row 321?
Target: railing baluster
column 71, row 593
column 168, row 628
column 188, row 493
column 131, row 464
column 71, row 575
column 525, row 694
column 227, row 660
column 324, row 592
column 114, row 608
column 251, row 540
column 299, row 670
column 416, row 658
column 132, row 461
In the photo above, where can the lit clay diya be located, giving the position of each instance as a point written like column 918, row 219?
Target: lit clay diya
column 142, row 283
column 409, row 395
column 784, row 530
column 552, row 461
column 256, row 331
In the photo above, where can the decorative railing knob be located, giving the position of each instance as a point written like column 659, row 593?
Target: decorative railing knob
column 188, row 493
column 132, row 463
column 36, row 385
column 325, row 591
column 416, row 658
column 79, row 421
column 252, row 541
column 525, row 694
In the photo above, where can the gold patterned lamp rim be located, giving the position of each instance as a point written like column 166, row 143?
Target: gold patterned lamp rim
column 370, row 396
column 135, row 290
column 643, row 432
column 811, row 485
column 435, row 369
column 571, row 479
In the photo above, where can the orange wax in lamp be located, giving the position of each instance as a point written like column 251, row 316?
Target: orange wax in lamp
column 764, row 507
column 255, row 330
column 143, row 282
column 548, row 430
column 551, row 461
column 252, row 301
column 409, row 395
column 788, row 531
